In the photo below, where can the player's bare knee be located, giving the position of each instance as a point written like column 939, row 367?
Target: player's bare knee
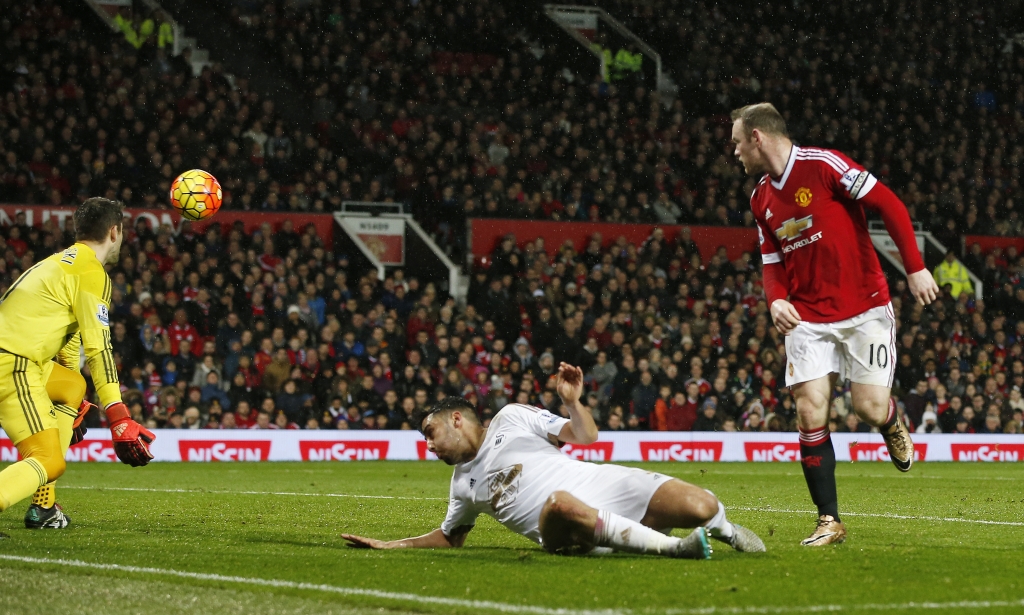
column 811, row 409
column 559, row 504
column 705, row 507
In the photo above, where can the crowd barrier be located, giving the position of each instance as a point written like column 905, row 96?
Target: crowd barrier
column 300, row 445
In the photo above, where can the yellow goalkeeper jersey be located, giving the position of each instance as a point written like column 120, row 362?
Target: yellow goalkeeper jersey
column 54, row 301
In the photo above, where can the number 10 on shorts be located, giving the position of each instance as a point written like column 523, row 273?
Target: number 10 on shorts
column 879, row 357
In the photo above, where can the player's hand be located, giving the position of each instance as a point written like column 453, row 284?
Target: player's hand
column 570, row 383
column 923, row 287
column 131, row 440
column 78, row 430
column 785, row 316
column 362, row 542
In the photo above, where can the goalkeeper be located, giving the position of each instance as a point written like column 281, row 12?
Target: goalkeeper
column 65, row 294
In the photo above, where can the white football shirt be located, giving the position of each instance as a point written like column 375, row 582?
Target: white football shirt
column 518, row 467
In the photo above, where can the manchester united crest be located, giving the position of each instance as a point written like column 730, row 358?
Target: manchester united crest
column 803, row 197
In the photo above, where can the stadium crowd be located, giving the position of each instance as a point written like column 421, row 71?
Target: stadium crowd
column 453, row 111
column 269, row 329
column 273, row 330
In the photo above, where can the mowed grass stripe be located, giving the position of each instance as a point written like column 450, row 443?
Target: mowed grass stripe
column 514, row 608
column 400, row 497
column 281, row 493
column 334, row 589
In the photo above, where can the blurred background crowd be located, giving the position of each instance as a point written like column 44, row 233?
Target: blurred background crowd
column 468, row 110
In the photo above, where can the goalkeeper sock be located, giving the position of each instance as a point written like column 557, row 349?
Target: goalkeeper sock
column 719, row 526
column 46, row 495
column 819, row 461
column 19, row 480
column 623, row 534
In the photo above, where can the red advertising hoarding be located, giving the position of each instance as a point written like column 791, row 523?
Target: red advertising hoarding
column 487, row 234
column 861, row 451
column 680, row 451
column 224, row 450
column 596, row 451
column 772, row 451
column 344, row 450
column 987, row 451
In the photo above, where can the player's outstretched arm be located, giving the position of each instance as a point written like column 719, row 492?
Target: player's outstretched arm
column 433, row 540
column 581, row 428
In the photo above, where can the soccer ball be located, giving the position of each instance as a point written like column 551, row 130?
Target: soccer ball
column 196, row 194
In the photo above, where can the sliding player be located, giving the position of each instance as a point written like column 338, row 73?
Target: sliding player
column 514, row 472
column 826, row 291
column 62, row 295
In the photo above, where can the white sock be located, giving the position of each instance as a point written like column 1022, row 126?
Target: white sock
column 622, row 534
column 719, row 526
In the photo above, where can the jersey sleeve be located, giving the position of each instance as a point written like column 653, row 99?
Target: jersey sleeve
column 91, row 305
column 851, row 181
column 776, row 285
column 534, row 420
column 847, row 179
column 461, row 511
column 70, row 356
column 771, row 249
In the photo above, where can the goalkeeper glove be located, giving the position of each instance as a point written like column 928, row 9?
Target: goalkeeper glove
column 131, row 440
column 77, row 428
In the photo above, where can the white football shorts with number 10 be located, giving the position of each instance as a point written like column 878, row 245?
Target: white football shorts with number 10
column 861, row 349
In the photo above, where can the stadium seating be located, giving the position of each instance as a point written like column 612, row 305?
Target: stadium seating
column 939, row 133
column 473, row 123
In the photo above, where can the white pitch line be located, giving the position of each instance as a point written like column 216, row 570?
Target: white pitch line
column 838, row 608
column 409, row 497
column 506, row 607
column 784, row 511
column 334, row 589
column 894, row 475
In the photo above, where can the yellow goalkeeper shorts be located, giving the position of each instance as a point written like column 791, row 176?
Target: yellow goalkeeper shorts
column 25, row 407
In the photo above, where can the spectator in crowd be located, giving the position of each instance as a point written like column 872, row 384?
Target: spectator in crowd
column 951, row 272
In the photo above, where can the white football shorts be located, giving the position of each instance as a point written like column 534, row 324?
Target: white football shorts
column 621, row 490
column 861, row 349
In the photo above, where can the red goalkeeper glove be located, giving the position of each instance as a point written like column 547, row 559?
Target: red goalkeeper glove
column 131, row 440
column 78, row 429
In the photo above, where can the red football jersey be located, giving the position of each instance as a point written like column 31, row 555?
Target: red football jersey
column 809, row 220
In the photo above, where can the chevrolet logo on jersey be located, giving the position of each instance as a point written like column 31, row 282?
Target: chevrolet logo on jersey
column 793, row 228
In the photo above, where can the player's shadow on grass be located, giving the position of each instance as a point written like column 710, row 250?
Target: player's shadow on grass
column 340, row 546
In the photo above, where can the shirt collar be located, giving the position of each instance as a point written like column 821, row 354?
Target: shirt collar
column 789, row 167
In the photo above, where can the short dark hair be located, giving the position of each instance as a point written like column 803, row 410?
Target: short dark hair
column 762, row 116
column 445, row 406
column 95, row 217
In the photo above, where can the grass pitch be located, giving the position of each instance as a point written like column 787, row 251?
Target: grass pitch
column 263, row 538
